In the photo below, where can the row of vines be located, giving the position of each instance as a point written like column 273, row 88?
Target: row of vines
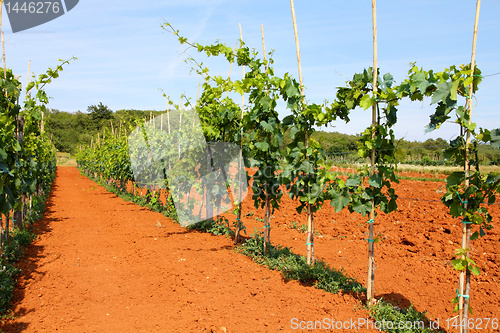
column 299, row 168
column 27, row 168
column 27, row 157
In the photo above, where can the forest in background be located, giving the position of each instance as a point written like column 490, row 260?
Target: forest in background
column 69, row 130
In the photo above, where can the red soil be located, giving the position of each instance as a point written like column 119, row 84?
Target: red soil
column 102, row 264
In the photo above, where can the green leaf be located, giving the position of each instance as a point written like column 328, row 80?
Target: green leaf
column 365, row 102
column 477, row 219
column 388, row 80
column 453, row 91
column 264, row 146
column 475, row 270
column 293, row 132
column 288, row 120
column 393, row 206
column 339, row 200
column 291, row 90
column 442, row 92
column 266, row 103
column 455, row 178
column 352, row 181
column 3, row 155
column 361, row 208
column 266, row 126
column 458, row 264
column 392, row 114
column 474, row 236
column 5, row 170
column 468, row 81
column 495, row 138
column 375, row 180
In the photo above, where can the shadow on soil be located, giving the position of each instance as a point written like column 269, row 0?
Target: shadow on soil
column 402, row 302
column 30, row 267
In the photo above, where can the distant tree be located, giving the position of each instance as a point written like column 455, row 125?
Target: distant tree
column 100, row 112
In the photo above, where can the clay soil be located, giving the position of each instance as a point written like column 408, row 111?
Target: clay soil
column 101, row 264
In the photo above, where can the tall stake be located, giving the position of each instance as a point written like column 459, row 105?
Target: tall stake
column 310, row 217
column 168, row 117
column 263, row 43
column 238, row 216
column 267, row 204
column 463, row 302
column 198, row 94
column 5, row 64
column 28, row 79
column 231, row 65
column 243, row 68
column 370, row 284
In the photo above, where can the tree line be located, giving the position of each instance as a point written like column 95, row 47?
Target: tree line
column 69, row 130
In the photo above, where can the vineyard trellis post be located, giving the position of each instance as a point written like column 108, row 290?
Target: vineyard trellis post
column 464, row 282
column 370, row 288
column 267, row 204
column 239, row 207
column 310, row 221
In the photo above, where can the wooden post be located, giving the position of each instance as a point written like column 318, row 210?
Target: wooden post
column 197, row 98
column 267, row 203
column 370, row 290
column 464, row 284
column 4, row 63
column 297, row 47
column 180, row 124
column 310, row 217
column 198, row 94
column 263, row 44
column 231, row 66
column 3, row 47
column 243, row 68
column 168, row 118
column 239, row 214
column 28, row 79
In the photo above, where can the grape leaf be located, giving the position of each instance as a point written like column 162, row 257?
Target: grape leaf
column 366, row 102
column 442, row 92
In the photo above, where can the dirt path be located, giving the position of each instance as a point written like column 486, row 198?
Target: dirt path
column 105, row 265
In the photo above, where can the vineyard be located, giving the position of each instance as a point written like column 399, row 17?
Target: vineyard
column 27, row 168
column 256, row 202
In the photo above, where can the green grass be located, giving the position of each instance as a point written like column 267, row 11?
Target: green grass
column 295, row 267
column 401, row 320
column 218, row 226
column 12, row 251
column 433, row 170
column 65, row 159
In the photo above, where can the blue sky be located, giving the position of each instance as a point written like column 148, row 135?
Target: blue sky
column 125, row 58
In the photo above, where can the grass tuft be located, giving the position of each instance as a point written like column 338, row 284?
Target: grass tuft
column 295, row 267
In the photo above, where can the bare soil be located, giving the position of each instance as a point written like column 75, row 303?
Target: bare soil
column 102, row 264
